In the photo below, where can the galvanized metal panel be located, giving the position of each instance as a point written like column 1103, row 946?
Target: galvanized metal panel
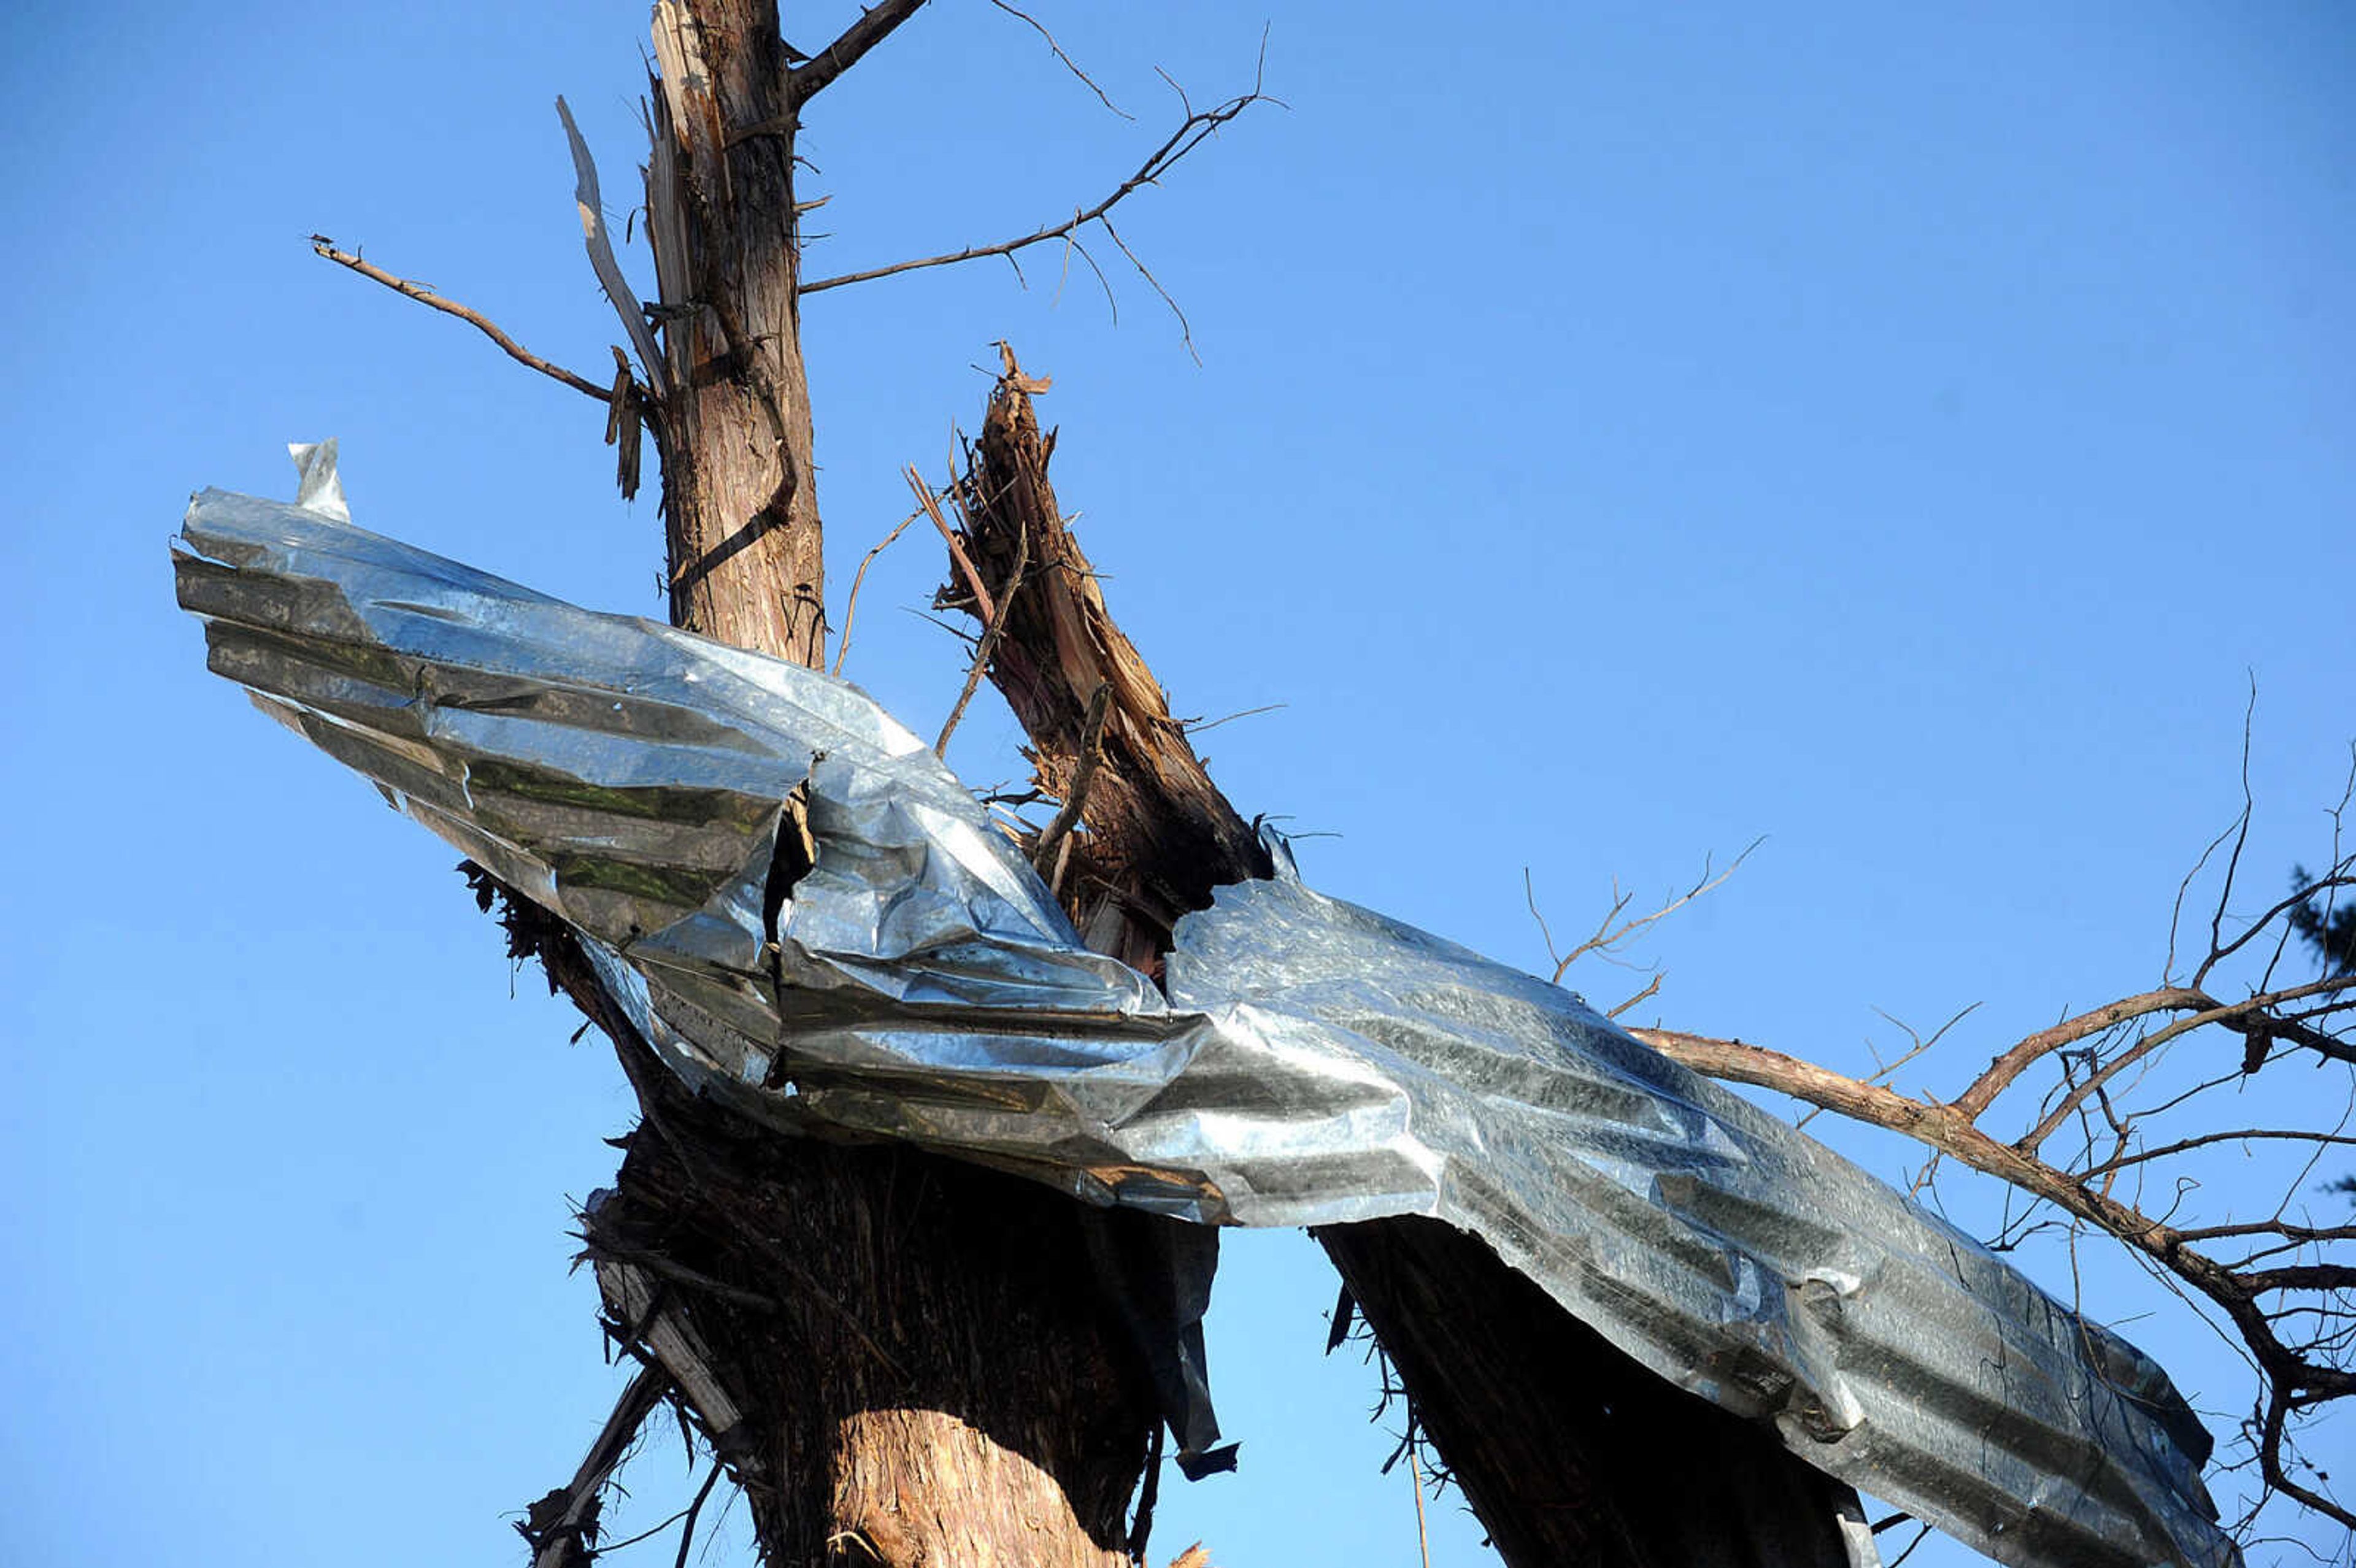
column 1313, row 1061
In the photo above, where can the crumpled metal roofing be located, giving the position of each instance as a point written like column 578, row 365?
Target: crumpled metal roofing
column 1313, row 1061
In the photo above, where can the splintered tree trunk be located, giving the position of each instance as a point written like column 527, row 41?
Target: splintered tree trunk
column 903, row 1361
column 1570, row 1452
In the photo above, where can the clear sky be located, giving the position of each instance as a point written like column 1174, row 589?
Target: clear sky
column 1620, row 431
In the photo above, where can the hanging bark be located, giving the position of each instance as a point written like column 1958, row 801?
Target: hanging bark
column 1569, row 1451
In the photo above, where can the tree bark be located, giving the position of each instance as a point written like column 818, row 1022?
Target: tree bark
column 1569, row 1450
column 902, row 1361
column 739, row 495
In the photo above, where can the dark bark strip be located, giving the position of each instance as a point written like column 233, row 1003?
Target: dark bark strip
column 1570, row 1452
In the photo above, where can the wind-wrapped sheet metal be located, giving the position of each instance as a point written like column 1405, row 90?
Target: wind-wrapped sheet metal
column 1313, row 1062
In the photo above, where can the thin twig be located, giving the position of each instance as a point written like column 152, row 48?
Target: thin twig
column 988, row 644
column 1185, row 328
column 1069, row 64
column 1197, row 726
column 686, row 1536
column 2234, row 1136
column 1607, row 935
column 324, row 247
column 850, row 605
column 1652, row 989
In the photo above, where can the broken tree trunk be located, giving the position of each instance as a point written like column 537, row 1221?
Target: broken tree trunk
column 1570, row 1452
column 902, row 1361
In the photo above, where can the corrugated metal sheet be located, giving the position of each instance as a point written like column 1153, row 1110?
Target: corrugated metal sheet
column 1313, row 1062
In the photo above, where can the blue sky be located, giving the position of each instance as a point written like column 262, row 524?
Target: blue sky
column 1620, row 432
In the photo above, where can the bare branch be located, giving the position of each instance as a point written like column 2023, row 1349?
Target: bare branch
column 2252, row 1015
column 2241, row 841
column 874, row 27
column 323, row 246
column 1197, row 126
column 2018, row 1059
column 687, row 1535
column 1185, row 328
column 2237, row 1135
column 1609, row 936
column 1652, row 988
column 1197, row 726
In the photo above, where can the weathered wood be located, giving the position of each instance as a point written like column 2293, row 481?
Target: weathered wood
column 1161, row 834
column 1570, row 1452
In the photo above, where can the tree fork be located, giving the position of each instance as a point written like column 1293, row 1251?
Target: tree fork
column 1569, row 1450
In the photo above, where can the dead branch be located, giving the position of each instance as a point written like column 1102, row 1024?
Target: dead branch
column 1652, row 988
column 687, row 1531
column 874, row 27
column 1609, row 936
column 1198, row 126
column 561, row 1526
column 622, row 423
column 850, row 605
column 931, row 506
column 2235, row 1134
column 323, row 246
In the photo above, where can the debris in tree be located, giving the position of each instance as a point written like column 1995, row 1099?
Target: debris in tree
column 1311, row 1063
